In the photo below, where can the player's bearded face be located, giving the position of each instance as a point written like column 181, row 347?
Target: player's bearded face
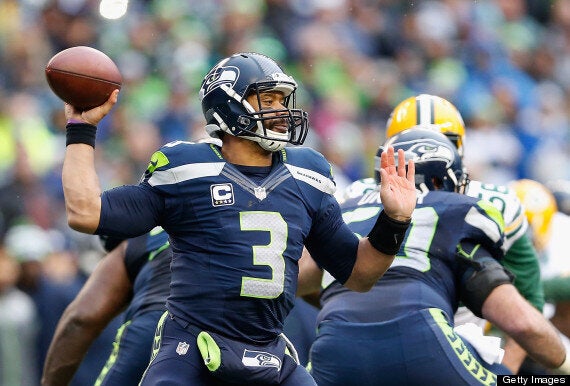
column 278, row 124
column 268, row 101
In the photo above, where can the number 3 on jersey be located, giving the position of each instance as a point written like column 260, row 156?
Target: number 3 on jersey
column 270, row 254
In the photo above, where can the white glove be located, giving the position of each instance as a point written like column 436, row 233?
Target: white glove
column 488, row 347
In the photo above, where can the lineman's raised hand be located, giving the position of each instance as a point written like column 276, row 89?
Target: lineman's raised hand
column 94, row 115
column 397, row 190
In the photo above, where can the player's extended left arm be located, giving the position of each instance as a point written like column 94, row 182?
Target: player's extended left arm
column 359, row 263
column 398, row 196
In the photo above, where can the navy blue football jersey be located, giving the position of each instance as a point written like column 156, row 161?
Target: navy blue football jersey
column 147, row 259
column 236, row 240
column 426, row 272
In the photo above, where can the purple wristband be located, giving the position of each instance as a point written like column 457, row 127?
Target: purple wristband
column 72, row 120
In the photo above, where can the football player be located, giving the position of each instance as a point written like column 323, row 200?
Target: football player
column 133, row 277
column 402, row 331
column 238, row 216
column 438, row 114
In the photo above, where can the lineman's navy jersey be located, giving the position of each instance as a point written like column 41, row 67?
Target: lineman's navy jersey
column 235, row 242
column 426, row 272
column 147, row 259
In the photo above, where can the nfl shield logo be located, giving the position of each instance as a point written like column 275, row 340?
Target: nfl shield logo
column 182, row 348
column 260, row 192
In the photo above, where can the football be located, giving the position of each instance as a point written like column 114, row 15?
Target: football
column 83, row 76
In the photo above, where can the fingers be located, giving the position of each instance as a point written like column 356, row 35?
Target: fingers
column 113, row 98
column 401, row 163
column 388, row 165
column 388, row 161
column 387, row 158
column 108, row 105
column 411, row 171
column 95, row 115
column 383, row 177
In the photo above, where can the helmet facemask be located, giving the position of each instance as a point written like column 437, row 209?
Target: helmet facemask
column 258, row 124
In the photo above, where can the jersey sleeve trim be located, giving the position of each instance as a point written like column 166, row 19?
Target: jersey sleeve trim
column 185, row 173
column 316, row 180
column 492, row 229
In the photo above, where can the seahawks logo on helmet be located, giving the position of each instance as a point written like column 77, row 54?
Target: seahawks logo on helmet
column 423, row 151
column 221, row 75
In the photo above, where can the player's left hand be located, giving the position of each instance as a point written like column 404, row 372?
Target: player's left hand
column 398, row 189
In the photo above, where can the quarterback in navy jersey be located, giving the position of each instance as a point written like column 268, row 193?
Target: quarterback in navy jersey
column 238, row 216
column 135, row 275
column 401, row 332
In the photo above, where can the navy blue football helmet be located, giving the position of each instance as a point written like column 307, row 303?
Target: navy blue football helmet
column 438, row 164
column 224, row 91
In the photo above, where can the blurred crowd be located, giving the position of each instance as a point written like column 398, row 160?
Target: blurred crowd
column 504, row 63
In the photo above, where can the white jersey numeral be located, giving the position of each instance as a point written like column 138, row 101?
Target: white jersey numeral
column 270, row 254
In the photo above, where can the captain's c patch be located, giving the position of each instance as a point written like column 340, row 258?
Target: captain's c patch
column 222, row 194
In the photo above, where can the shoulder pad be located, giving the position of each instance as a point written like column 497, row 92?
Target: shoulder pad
column 507, row 202
column 181, row 160
column 309, row 166
column 307, row 158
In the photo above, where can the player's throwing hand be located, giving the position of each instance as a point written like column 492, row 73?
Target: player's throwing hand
column 94, row 115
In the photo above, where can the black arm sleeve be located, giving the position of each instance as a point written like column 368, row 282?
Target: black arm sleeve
column 481, row 275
